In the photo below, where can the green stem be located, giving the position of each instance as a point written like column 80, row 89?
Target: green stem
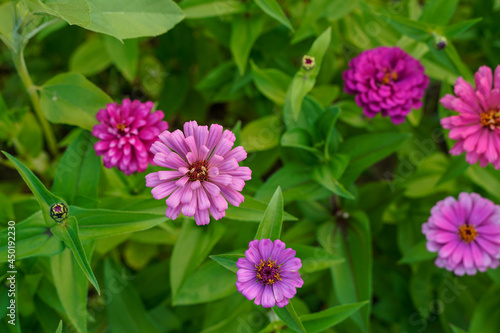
column 22, row 70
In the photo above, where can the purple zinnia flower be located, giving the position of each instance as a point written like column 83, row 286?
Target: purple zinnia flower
column 477, row 126
column 204, row 172
column 126, row 133
column 268, row 273
column 465, row 233
column 386, row 80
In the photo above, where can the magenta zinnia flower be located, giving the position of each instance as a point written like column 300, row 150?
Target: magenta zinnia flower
column 126, row 133
column 465, row 233
column 477, row 126
column 386, row 80
column 268, row 273
column 204, row 172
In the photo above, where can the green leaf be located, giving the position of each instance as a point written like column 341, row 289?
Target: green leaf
column 8, row 24
column 125, row 56
column 192, row 247
column 125, row 311
column 315, row 258
column 227, row 260
column 270, row 226
column 68, row 232
column 272, row 83
column 417, row 30
column 438, row 12
column 70, row 98
column 486, row 316
column 304, row 80
column 74, row 12
column 418, row 253
column 367, row 149
column 77, row 175
column 455, row 329
column 288, row 315
column 273, row 9
column 89, row 59
column 325, row 128
column 324, row 175
column 71, row 286
column 261, row 134
column 98, row 223
column 460, row 27
column 30, row 136
column 59, row 327
column 209, row 283
column 320, row 321
column 252, row 210
column 32, row 239
column 299, row 138
column 44, row 197
column 244, row 32
column 208, row 8
column 487, row 178
column 458, row 165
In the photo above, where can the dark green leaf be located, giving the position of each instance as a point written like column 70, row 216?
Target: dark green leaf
column 418, row 253
column 89, row 58
column 244, row 32
column 288, row 315
column 273, row 9
column 324, row 175
column 124, row 55
column 227, row 260
column 252, row 210
column 320, row 321
column 272, row 221
column 460, row 27
column 272, row 83
column 314, row 258
column 486, row 316
column 458, row 165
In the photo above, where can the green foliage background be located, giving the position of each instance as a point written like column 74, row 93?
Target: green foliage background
column 348, row 193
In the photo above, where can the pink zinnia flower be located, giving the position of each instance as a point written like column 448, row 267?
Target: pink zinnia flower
column 386, row 80
column 126, row 133
column 204, row 172
column 268, row 273
column 465, row 233
column 477, row 126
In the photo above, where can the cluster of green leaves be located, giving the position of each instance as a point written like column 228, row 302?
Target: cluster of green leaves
column 348, row 193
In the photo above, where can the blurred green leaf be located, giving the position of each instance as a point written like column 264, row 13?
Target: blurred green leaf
column 438, row 12
column 89, row 58
column 252, row 210
column 273, row 9
column 456, row 29
column 70, row 98
column 198, row 9
column 192, row 247
column 124, row 55
column 458, row 165
column 325, row 128
column 59, row 327
column 271, row 82
column 455, row 329
column 68, row 232
column 30, row 136
column 487, row 178
column 288, row 315
column 227, row 260
column 324, row 174
column 74, row 12
column 125, row 310
column 272, row 221
column 44, row 197
column 209, row 283
column 320, row 321
column 244, row 32
column 77, row 175
column 417, row 30
column 8, row 24
column 261, row 134
column 314, row 258
column 418, row 253
column 486, row 316
column 299, row 138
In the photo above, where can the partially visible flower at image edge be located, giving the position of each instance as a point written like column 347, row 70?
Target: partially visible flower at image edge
column 386, row 80
column 268, row 273
column 204, row 174
column 126, row 133
column 477, row 125
column 465, row 233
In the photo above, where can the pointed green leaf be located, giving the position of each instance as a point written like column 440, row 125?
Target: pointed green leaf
column 418, row 253
column 271, row 82
column 324, row 175
column 299, row 138
column 59, row 327
column 78, row 171
column 273, row 9
column 458, row 165
column 244, row 32
column 455, row 329
column 68, row 232
column 192, row 247
column 304, row 80
column 45, row 198
column 320, row 321
column 288, row 315
column 457, row 28
column 252, row 210
column 438, row 12
column 270, row 226
column 417, row 30
column 227, row 260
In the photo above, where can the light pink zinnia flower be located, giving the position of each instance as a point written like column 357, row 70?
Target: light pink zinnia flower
column 269, row 273
column 465, row 233
column 126, row 133
column 477, row 126
column 204, row 172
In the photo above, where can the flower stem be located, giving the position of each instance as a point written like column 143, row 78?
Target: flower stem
column 22, row 70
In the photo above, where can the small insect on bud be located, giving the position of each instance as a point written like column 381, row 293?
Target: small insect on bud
column 308, row 62
column 59, row 212
column 440, row 42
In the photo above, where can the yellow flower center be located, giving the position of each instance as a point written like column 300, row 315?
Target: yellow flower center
column 490, row 119
column 121, row 127
column 268, row 272
column 467, row 233
column 389, row 76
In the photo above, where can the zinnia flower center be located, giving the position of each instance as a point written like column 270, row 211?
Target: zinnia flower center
column 198, row 171
column 389, row 76
column 268, row 272
column 490, row 119
column 467, row 233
